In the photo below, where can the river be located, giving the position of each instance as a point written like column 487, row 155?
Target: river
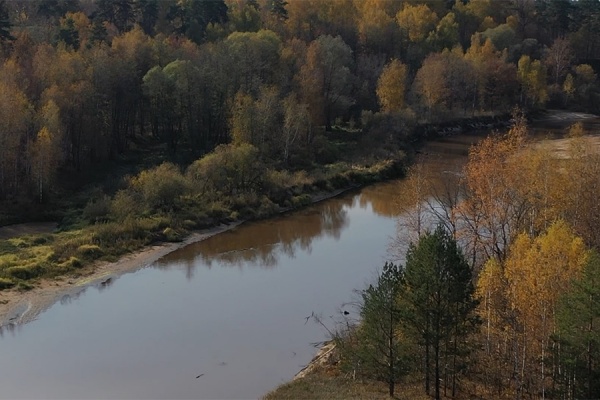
column 226, row 318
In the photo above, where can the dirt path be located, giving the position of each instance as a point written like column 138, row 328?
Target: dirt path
column 21, row 307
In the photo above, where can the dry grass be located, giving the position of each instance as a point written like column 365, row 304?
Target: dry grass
column 330, row 384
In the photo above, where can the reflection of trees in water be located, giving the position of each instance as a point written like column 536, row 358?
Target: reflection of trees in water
column 261, row 243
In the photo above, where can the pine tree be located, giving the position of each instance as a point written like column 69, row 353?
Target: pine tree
column 382, row 349
column 68, row 34
column 440, row 304
column 5, row 24
column 578, row 318
column 277, row 8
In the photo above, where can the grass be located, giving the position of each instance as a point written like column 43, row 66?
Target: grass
column 330, row 384
column 94, row 231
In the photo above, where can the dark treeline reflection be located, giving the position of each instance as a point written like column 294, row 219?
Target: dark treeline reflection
column 261, row 243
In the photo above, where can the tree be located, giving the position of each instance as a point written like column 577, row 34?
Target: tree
column 277, row 8
column 146, row 14
column 382, row 347
column 254, row 58
column 326, row 79
column 68, row 34
column 117, row 12
column 558, row 59
column 5, row 24
column 191, row 18
column 43, row 160
column 537, row 271
column 378, row 33
column 391, row 86
column 578, row 320
column 417, row 21
column 532, row 76
column 440, row 304
column 430, row 82
column 494, row 211
column 227, row 170
column 296, row 125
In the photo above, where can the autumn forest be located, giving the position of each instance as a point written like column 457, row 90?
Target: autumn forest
column 137, row 121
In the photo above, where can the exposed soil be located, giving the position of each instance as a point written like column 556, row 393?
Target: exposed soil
column 18, row 307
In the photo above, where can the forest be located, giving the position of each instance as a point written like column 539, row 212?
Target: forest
column 136, row 121
column 499, row 294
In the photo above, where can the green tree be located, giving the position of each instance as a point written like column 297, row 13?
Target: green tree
column 578, row 319
column 68, row 34
column 5, row 24
column 440, row 305
column 277, row 8
column 146, row 14
column 382, row 349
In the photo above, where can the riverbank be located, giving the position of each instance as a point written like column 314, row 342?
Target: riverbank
column 19, row 307
column 24, row 302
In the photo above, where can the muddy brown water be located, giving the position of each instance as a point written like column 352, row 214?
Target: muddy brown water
column 225, row 318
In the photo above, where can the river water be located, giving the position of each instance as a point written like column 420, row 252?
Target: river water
column 226, row 318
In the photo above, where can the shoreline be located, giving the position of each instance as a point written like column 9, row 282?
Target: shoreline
column 17, row 308
column 21, row 307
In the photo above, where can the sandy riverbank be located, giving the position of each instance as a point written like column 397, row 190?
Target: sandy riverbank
column 17, row 307
column 21, row 307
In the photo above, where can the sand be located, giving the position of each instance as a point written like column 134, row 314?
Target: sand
column 18, row 307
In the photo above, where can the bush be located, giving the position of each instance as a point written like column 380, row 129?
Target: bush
column 89, row 251
column 6, row 283
column 160, row 187
column 189, row 224
column 67, row 245
column 71, row 263
column 228, row 169
column 300, row 201
column 171, row 235
column 97, row 209
column 24, row 273
column 124, row 204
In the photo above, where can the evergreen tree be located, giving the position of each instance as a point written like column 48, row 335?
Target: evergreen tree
column 277, row 8
column 382, row 349
column 68, row 34
column 118, row 12
column 5, row 24
column 56, row 8
column 192, row 18
column 578, row 318
column 98, row 33
column 146, row 12
column 440, row 304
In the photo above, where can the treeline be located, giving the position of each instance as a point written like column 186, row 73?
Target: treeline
column 87, row 81
column 502, row 299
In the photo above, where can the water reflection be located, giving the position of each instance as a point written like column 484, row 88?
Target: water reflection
column 261, row 243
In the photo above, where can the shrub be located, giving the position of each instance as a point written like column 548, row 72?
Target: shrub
column 97, row 209
column 228, row 169
column 24, row 273
column 160, row 186
column 124, row 204
column 89, row 251
column 300, row 201
column 71, row 263
column 171, row 235
column 189, row 224
column 6, row 283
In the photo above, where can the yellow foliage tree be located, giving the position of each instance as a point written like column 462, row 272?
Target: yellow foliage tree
column 417, row 21
column 391, row 86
